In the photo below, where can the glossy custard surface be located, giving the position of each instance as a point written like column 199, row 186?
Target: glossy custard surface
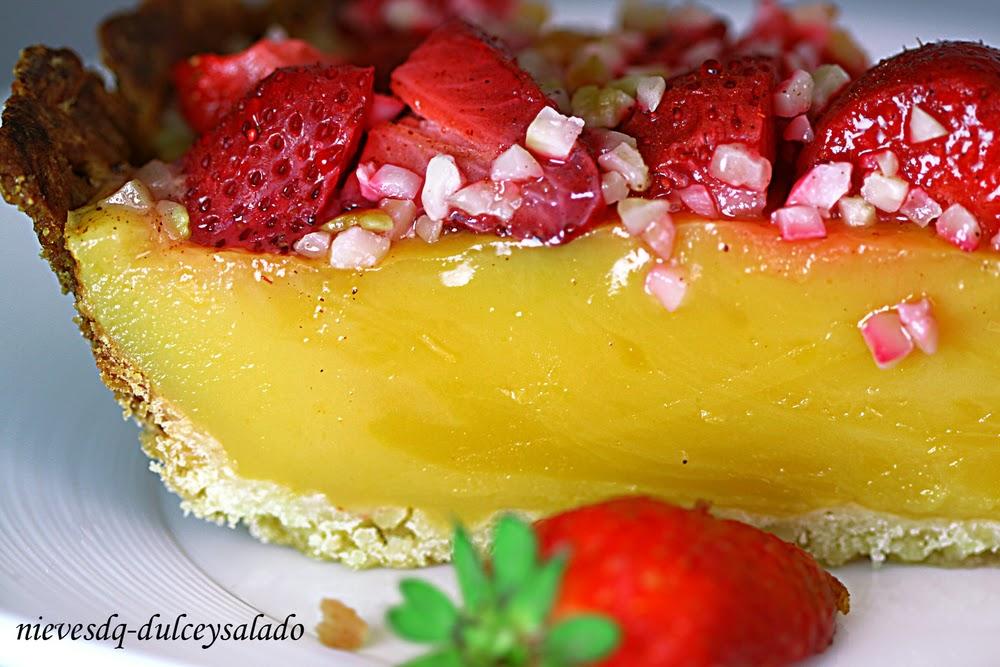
column 476, row 374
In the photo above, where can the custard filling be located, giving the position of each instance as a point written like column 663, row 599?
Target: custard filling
column 477, row 375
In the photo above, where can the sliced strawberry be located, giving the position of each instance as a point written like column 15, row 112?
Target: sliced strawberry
column 411, row 143
column 803, row 37
column 208, row 84
column 564, row 203
column 463, row 80
column 482, row 103
column 262, row 178
column 716, row 105
column 950, row 86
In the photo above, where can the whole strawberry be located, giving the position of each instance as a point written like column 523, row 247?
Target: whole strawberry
column 632, row 582
column 268, row 173
column 690, row 589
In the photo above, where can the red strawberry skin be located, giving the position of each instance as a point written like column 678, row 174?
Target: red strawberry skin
column 265, row 176
column 956, row 83
column 688, row 589
column 717, row 104
column 208, row 84
column 469, row 87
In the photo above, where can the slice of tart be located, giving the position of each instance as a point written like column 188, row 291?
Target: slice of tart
column 528, row 275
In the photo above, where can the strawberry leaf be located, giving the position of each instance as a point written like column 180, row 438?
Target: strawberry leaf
column 472, row 579
column 515, row 553
column 532, row 602
column 426, row 615
column 580, row 639
column 491, row 642
column 505, row 621
column 447, row 658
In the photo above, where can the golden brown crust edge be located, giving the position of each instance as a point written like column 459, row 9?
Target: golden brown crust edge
column 64, row 138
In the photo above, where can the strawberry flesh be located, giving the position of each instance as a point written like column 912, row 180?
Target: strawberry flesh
column 689, row 589
column 208, row 84
column 465, row 81
column 717, row 104
column 411, row 143
column 954, row 82
column 265, row 176
column 470, row 88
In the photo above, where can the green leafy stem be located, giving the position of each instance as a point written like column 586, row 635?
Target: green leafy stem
column 505, row 619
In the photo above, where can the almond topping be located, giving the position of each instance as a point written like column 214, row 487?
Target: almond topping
column 925, row 127
column 341, row 627
column 552, row 134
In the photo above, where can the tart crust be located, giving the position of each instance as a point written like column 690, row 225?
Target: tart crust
column 66, row 140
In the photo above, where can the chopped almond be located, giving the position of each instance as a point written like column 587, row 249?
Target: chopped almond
column 341, row 627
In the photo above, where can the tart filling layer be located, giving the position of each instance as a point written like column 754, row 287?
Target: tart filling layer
column 478, row 375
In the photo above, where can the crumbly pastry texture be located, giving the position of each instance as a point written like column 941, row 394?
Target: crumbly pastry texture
column 67, row 139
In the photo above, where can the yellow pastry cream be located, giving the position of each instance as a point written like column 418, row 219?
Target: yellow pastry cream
column 477, row 375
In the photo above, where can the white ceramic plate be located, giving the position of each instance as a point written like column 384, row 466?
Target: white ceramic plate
column 86, row 531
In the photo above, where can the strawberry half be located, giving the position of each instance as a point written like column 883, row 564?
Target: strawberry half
column 716, row 105
column 936, row 108
column 269, row 171
column 467, row 85
column 689, row 589
column 208, row 84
